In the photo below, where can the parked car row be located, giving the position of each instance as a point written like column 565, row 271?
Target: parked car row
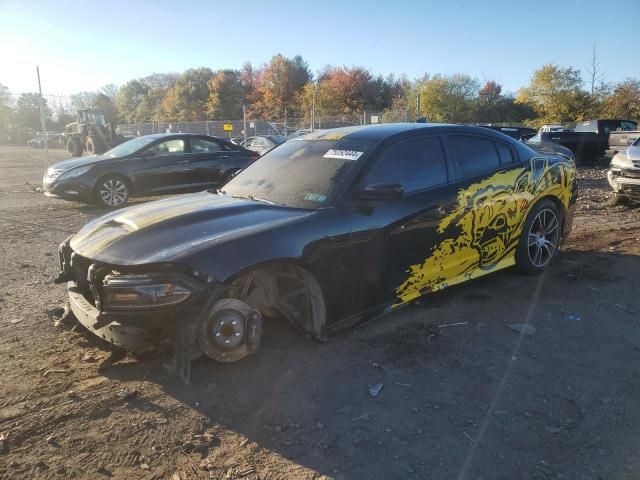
column 147, row 165
column 592, row 139
column 328, row 229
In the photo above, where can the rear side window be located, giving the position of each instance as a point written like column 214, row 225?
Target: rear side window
column 200, row 145
column 473, row 155
column 505, row 153
column 415, row 164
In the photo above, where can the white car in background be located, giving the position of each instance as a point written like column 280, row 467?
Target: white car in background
column 624, row 174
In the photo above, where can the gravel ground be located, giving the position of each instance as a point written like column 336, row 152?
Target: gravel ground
column 464, row 396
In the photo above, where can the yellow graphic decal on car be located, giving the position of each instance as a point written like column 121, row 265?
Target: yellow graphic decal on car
column 487, row 223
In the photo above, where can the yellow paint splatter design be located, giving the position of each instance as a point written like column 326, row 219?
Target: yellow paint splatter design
column 487, row 223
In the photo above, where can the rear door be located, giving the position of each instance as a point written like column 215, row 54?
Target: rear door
column 212, row 161
column 492, row 188
column 166, row 170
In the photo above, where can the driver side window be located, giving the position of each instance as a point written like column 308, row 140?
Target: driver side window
column 414, row 164
column 168, row 147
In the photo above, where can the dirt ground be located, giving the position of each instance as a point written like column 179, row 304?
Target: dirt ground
column 464, row 397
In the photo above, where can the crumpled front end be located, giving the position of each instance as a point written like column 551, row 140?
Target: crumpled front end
column 132, row 307
column 624, row 173
column 139, row 307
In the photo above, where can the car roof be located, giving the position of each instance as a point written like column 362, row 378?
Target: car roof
column 178, row 134
column 381, row 132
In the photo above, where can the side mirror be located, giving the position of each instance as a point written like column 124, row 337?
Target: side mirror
column 146, row 154
column 382, row 191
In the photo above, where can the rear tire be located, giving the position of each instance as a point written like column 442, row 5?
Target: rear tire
column 74, row 147
column 94, row 146
column 112, row 191
column 540, row 238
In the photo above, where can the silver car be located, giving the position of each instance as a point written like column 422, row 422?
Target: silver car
column 263, row 144
column 624, row 174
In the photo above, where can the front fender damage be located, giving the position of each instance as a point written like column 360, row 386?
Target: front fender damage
column 225, row 330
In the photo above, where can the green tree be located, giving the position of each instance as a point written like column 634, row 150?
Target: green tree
column 107, row 104
column 28, row 111
column 556, row 95
column 130, row 97
column 226, row 95
column 6, row 110
column 624, row 101
column 448, row 98
column 192, row 93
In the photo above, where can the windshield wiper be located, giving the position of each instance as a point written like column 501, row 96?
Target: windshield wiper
column 246, row 197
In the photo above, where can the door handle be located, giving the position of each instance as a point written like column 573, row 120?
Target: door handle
column 223, row 156
column 183, row 161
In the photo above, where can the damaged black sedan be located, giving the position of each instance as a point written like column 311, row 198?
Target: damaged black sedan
column 326, row 230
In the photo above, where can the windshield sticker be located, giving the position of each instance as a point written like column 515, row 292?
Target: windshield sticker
column 315, row 197
column 343, row 154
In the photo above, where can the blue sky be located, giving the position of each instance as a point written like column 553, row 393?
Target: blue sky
column 83, row 45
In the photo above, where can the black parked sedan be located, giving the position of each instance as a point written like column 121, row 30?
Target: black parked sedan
column 327, row 229
column 149, row 165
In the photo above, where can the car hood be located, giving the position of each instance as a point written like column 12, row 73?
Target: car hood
column 79, row 162
column 171, row 229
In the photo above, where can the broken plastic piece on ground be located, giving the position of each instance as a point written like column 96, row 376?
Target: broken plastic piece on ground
column 523, row 328
column 126, row 394
column 59, row 315
column 375, row 389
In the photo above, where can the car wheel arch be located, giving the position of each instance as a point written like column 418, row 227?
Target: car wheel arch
column 280, row 278
column 558, row 204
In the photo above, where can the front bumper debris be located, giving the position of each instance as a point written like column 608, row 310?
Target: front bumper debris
column 129, row 337
column 625, row 183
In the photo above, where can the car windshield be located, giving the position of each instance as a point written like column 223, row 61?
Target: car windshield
column 301, row 173
column 129, row 147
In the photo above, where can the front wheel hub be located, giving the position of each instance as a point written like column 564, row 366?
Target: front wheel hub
column 230, row 331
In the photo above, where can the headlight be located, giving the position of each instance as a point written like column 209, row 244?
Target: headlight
column 75, row 172
column 126, row 292
column 621, row 160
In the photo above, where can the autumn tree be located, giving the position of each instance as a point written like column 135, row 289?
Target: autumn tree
column 556, row 95
column 282, row 80
column 226, row 95
column 624, row 101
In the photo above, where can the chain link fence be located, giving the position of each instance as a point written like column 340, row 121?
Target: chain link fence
column 21, row 122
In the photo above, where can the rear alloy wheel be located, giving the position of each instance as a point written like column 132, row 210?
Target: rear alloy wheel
column 540, row 239
column 112, row 192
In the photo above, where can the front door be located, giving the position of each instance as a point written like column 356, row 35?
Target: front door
column 392, row 239
column 164, row 169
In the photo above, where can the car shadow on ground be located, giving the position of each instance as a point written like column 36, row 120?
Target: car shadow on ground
column 462, row 394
